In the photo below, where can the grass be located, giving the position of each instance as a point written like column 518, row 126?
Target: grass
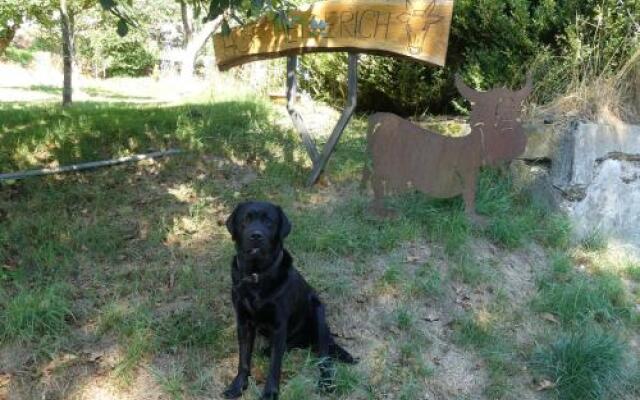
column 632, row 271
column 486, row 334
column 19, row 56
column 427, row 281
column 582, row 364
column 581, row 298
column 145, row 259
column 36, row 315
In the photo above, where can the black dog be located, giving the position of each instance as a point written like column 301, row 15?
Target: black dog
column 271, row 297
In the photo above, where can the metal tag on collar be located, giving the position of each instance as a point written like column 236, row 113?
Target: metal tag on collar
column 254, row 278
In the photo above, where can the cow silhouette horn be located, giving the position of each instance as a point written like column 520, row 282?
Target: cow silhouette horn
column 466, row 91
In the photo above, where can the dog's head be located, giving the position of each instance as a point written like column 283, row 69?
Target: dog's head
column 258, row 229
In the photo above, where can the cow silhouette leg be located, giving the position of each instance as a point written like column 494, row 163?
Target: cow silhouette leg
column 377, row 205
column 469, row 196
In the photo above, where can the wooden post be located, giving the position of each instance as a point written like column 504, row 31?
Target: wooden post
column 352, row 97
column 292, row 88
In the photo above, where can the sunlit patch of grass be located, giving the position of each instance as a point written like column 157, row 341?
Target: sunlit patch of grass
column 474, row 329
column 133, row 328
column 173, row 382
column 138, row 344
column 582, row 298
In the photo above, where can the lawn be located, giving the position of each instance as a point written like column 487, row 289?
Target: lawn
column 114, row 283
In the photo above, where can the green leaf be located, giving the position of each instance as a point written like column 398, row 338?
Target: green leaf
column 123, row 28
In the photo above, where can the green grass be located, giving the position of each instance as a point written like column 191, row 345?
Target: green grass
column 632, row 271
column 513, row 219
column 427, row 281
column 583, row 365
column 467, row 270
column 149, row 263
column 36, row 315
column 191, row 327
column 582, row 298
column 594, row 241
column 483, row 334
column 469, row 331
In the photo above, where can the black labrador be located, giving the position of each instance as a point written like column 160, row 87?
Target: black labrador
column 271, row 297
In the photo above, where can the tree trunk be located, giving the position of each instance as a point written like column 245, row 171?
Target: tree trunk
column 6, row 37
column 66, row 20
column 187, row 24
column 198, row 41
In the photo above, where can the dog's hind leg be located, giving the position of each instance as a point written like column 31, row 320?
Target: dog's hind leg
column 339, row 353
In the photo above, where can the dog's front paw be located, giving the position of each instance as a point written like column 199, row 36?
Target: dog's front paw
column 326, row 385
column 234, row 390
column 327, row 377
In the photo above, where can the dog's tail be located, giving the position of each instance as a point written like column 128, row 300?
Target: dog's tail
column 337, row 352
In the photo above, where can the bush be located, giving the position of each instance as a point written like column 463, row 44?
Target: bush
column 117, row 56
column 101, row 50
column 128, row 57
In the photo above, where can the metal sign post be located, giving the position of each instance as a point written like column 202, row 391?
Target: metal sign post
column 320, row 160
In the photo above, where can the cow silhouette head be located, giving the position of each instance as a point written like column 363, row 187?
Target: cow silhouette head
column 495, row 115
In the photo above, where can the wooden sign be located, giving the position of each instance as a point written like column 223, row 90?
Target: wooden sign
column 417, row 29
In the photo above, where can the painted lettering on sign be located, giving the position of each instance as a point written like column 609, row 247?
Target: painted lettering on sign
column 418, row 29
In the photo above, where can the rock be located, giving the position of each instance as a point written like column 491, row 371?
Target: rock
column 591, row 172
column 585, row 144
column 611, row 205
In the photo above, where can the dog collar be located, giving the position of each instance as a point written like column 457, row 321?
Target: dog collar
column 255, row 277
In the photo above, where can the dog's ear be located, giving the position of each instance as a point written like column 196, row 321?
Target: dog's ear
column 232, row 225
column 284, row 227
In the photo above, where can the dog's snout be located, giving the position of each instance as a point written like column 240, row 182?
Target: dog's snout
column 256, row 235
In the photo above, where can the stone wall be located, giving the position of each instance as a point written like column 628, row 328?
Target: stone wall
column 591, row 171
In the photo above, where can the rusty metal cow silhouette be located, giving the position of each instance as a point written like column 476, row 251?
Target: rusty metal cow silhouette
column 407, row 157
